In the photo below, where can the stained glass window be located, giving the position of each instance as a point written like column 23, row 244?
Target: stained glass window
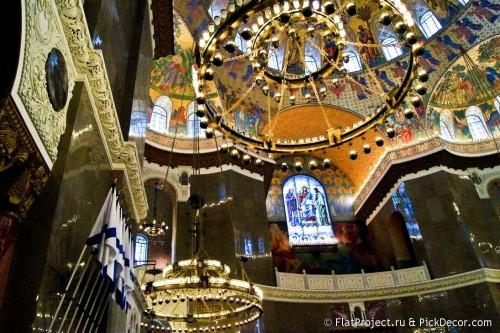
column 392, row 50
column 262, row 246
column 160, row 118
column 475, row 121
column 402, row 204
column 307, row 212
column 248, row 247
column 141, row 249
column 430, row 24
column 354, row 63
column 193, row 128
column 446, row 125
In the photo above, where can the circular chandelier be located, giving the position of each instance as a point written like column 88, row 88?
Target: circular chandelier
column 154, row 228
column 278, row 36
column 197, row 295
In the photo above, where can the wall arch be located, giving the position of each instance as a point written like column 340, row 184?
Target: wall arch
column 400, row 240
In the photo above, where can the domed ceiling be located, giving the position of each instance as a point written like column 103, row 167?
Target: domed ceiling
column 353, row 97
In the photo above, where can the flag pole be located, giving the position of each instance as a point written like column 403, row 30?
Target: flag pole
column 87, row 264
column 66, row 290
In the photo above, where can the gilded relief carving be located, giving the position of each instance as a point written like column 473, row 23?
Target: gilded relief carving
column 90, row 63
column 23, row 172
column 43, row 34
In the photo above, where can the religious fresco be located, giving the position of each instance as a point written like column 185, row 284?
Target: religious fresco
column 450, row 109
column 350, row 249
column 341, row 258
column 357, row 94
column 354, row 235
column 171, row 75
column 375, row 310
column 307, row 212
column 339, row 189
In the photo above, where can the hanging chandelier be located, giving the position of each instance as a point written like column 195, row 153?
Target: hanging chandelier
column 197, row 294
column 153, row 228
column 279, row 37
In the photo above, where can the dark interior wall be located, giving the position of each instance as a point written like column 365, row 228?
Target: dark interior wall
column 116, row 28
column 226, row 227
column 453, row 221
column 159, row 247
column 380, row 239
column 52, row 237
column 470, row 303
column 141, row 97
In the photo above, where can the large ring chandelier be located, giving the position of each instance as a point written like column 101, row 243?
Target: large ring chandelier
column 270, row 26
column 197, row 295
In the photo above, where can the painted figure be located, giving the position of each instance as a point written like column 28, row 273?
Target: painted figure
column 307, row 210
column 427, row 60
column 359, row 88
column 464, row 28
column 320, row 202
column 483, row 13
column 365, row 36
column 398, row 70
column 444, row 45
column 292, row 208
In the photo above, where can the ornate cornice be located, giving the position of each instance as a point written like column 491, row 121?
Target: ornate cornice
column 90, row 65
column 433, row 286
column 421, row 155
column 162, row 157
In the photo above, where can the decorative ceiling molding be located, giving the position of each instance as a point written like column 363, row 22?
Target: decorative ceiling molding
column 30, row 92
column 422, row 155
column 91, row 69
column 211, row 159
column 483, row 275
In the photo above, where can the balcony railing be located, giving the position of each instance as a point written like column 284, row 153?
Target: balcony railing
column 353, row 281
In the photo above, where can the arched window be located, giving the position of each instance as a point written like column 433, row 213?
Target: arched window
column 393, row 49
column 193, row 124
column 160, row 119
column 475, row 121
column 216, row 7
column 354, row 63
column 240, row 42
column 446, row 125
column 307, row 212
column 496, row 103
column 312, row 55
column 141, row 249
column 275, row 60
column 429, row 24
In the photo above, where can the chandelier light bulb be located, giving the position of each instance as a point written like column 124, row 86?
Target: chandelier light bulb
column 351, row 9
column 408, row 113
column 353, row 155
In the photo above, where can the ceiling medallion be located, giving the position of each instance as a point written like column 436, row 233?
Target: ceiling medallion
column 279, row 36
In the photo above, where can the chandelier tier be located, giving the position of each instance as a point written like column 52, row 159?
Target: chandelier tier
column 278, row 36
column 198, row 295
